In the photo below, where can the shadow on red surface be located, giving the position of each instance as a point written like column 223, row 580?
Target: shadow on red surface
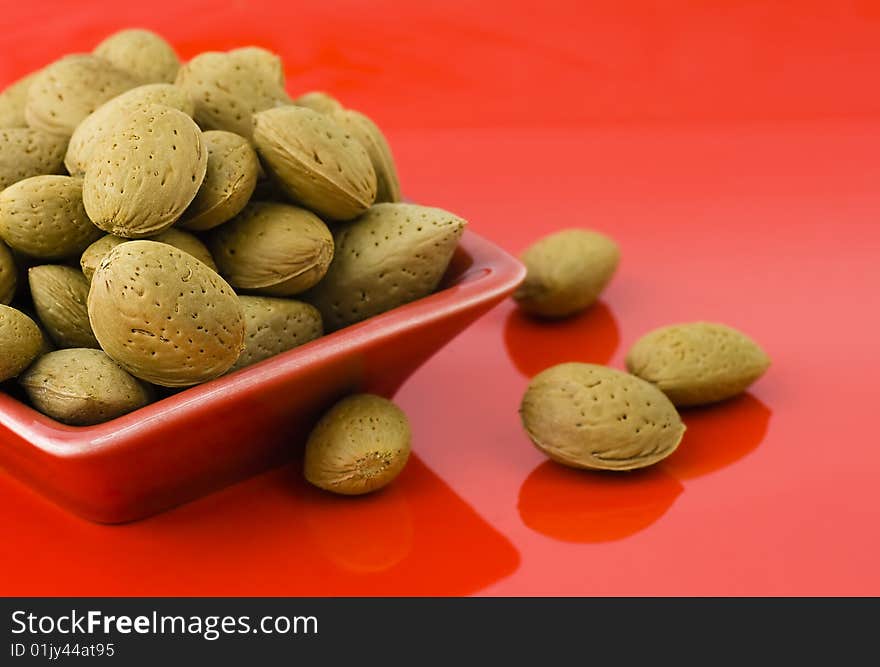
column 587, row 506
column 536, row 344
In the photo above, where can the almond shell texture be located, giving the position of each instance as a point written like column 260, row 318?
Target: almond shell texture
column 588, row 416
column 25, row 152
column 360, row 445
column 60, row 295
column 272, row 249
column 20, row 342
column 274, row 326
column 144, row 173
column 698, row 362
column 393, row 254
column 318, row 100
column 316, row 162
column 230, row 180
column 115, row 112
column 8, row 275
column 82, row 387
column 370, row 137
column 141, row 53
column 165, row 316
column 13, row 100
column 566, row 272
column 181, row 240
column 44, row 217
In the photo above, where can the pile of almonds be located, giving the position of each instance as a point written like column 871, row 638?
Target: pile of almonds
column 164, row 224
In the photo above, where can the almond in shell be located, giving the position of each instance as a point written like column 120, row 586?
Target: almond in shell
column 319, row 101
column 273, row 249
column 8, row 275
column 115, row 112
column 230, row 181
column 318, row 163
column 25, row 152
column 588, row 416
column 20, row 342
column 566, row 272
column 64, row 93
column 274, row 326
column 181, row 240
column 82, row 387
column 44, row 217
column 144, row 173
column 13, row 100
column 370, row 136
column 360, row 445
column 142, row 54
column 228, row 88
column 698, row 362
column 60, row 294
column 391, row 255
column 164, row 316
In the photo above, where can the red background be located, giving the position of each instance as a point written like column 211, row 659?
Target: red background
column 731, row 147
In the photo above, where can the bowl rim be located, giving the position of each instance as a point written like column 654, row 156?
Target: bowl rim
column 491, row 273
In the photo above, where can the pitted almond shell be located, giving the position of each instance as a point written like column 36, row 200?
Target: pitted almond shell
column 317, row 163
column 82, row 387
column 370, row 136
column 391, row 255
column 145, row 172
column 110, row 114
column 142, row 54
column 25, row 152
column 274, row 326
column 8, row 275
column 229, row 182
column 13, row 100
column 319, row 101
column 360, row 445
column 44, row 217
column 181, row 240
column 566, row 272
column 273, row 249
column 698, row 362
column 64, row 93
column 60, row 294
column 228, row 88
column 588, row 416
column 20, row 342
column 165, row 316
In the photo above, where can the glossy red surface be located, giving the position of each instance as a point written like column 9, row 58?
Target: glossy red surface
column 732, row 148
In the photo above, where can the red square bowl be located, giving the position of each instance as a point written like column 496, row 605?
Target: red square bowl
column 206, row 437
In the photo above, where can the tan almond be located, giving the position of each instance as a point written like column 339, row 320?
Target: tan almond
column 181, row 240
column 391, row 255
column 20, row 342
column 141, row 53
column 274, row 326
column 165, row 316
column 317, row 163
column 228, row 88
column 143, row 174
column 230, row 181
column 115, row 112
column 566, row 272
column 25, row 152
column 13, row 100
column 318, row 100
column 360, row 445
column 60, row 294
column 370, row 136
column 44, row 217
column 8, row 275
column 273, row 249
column 698, row 362
column 82, row 387
column 64, row 93
column 588, row 416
